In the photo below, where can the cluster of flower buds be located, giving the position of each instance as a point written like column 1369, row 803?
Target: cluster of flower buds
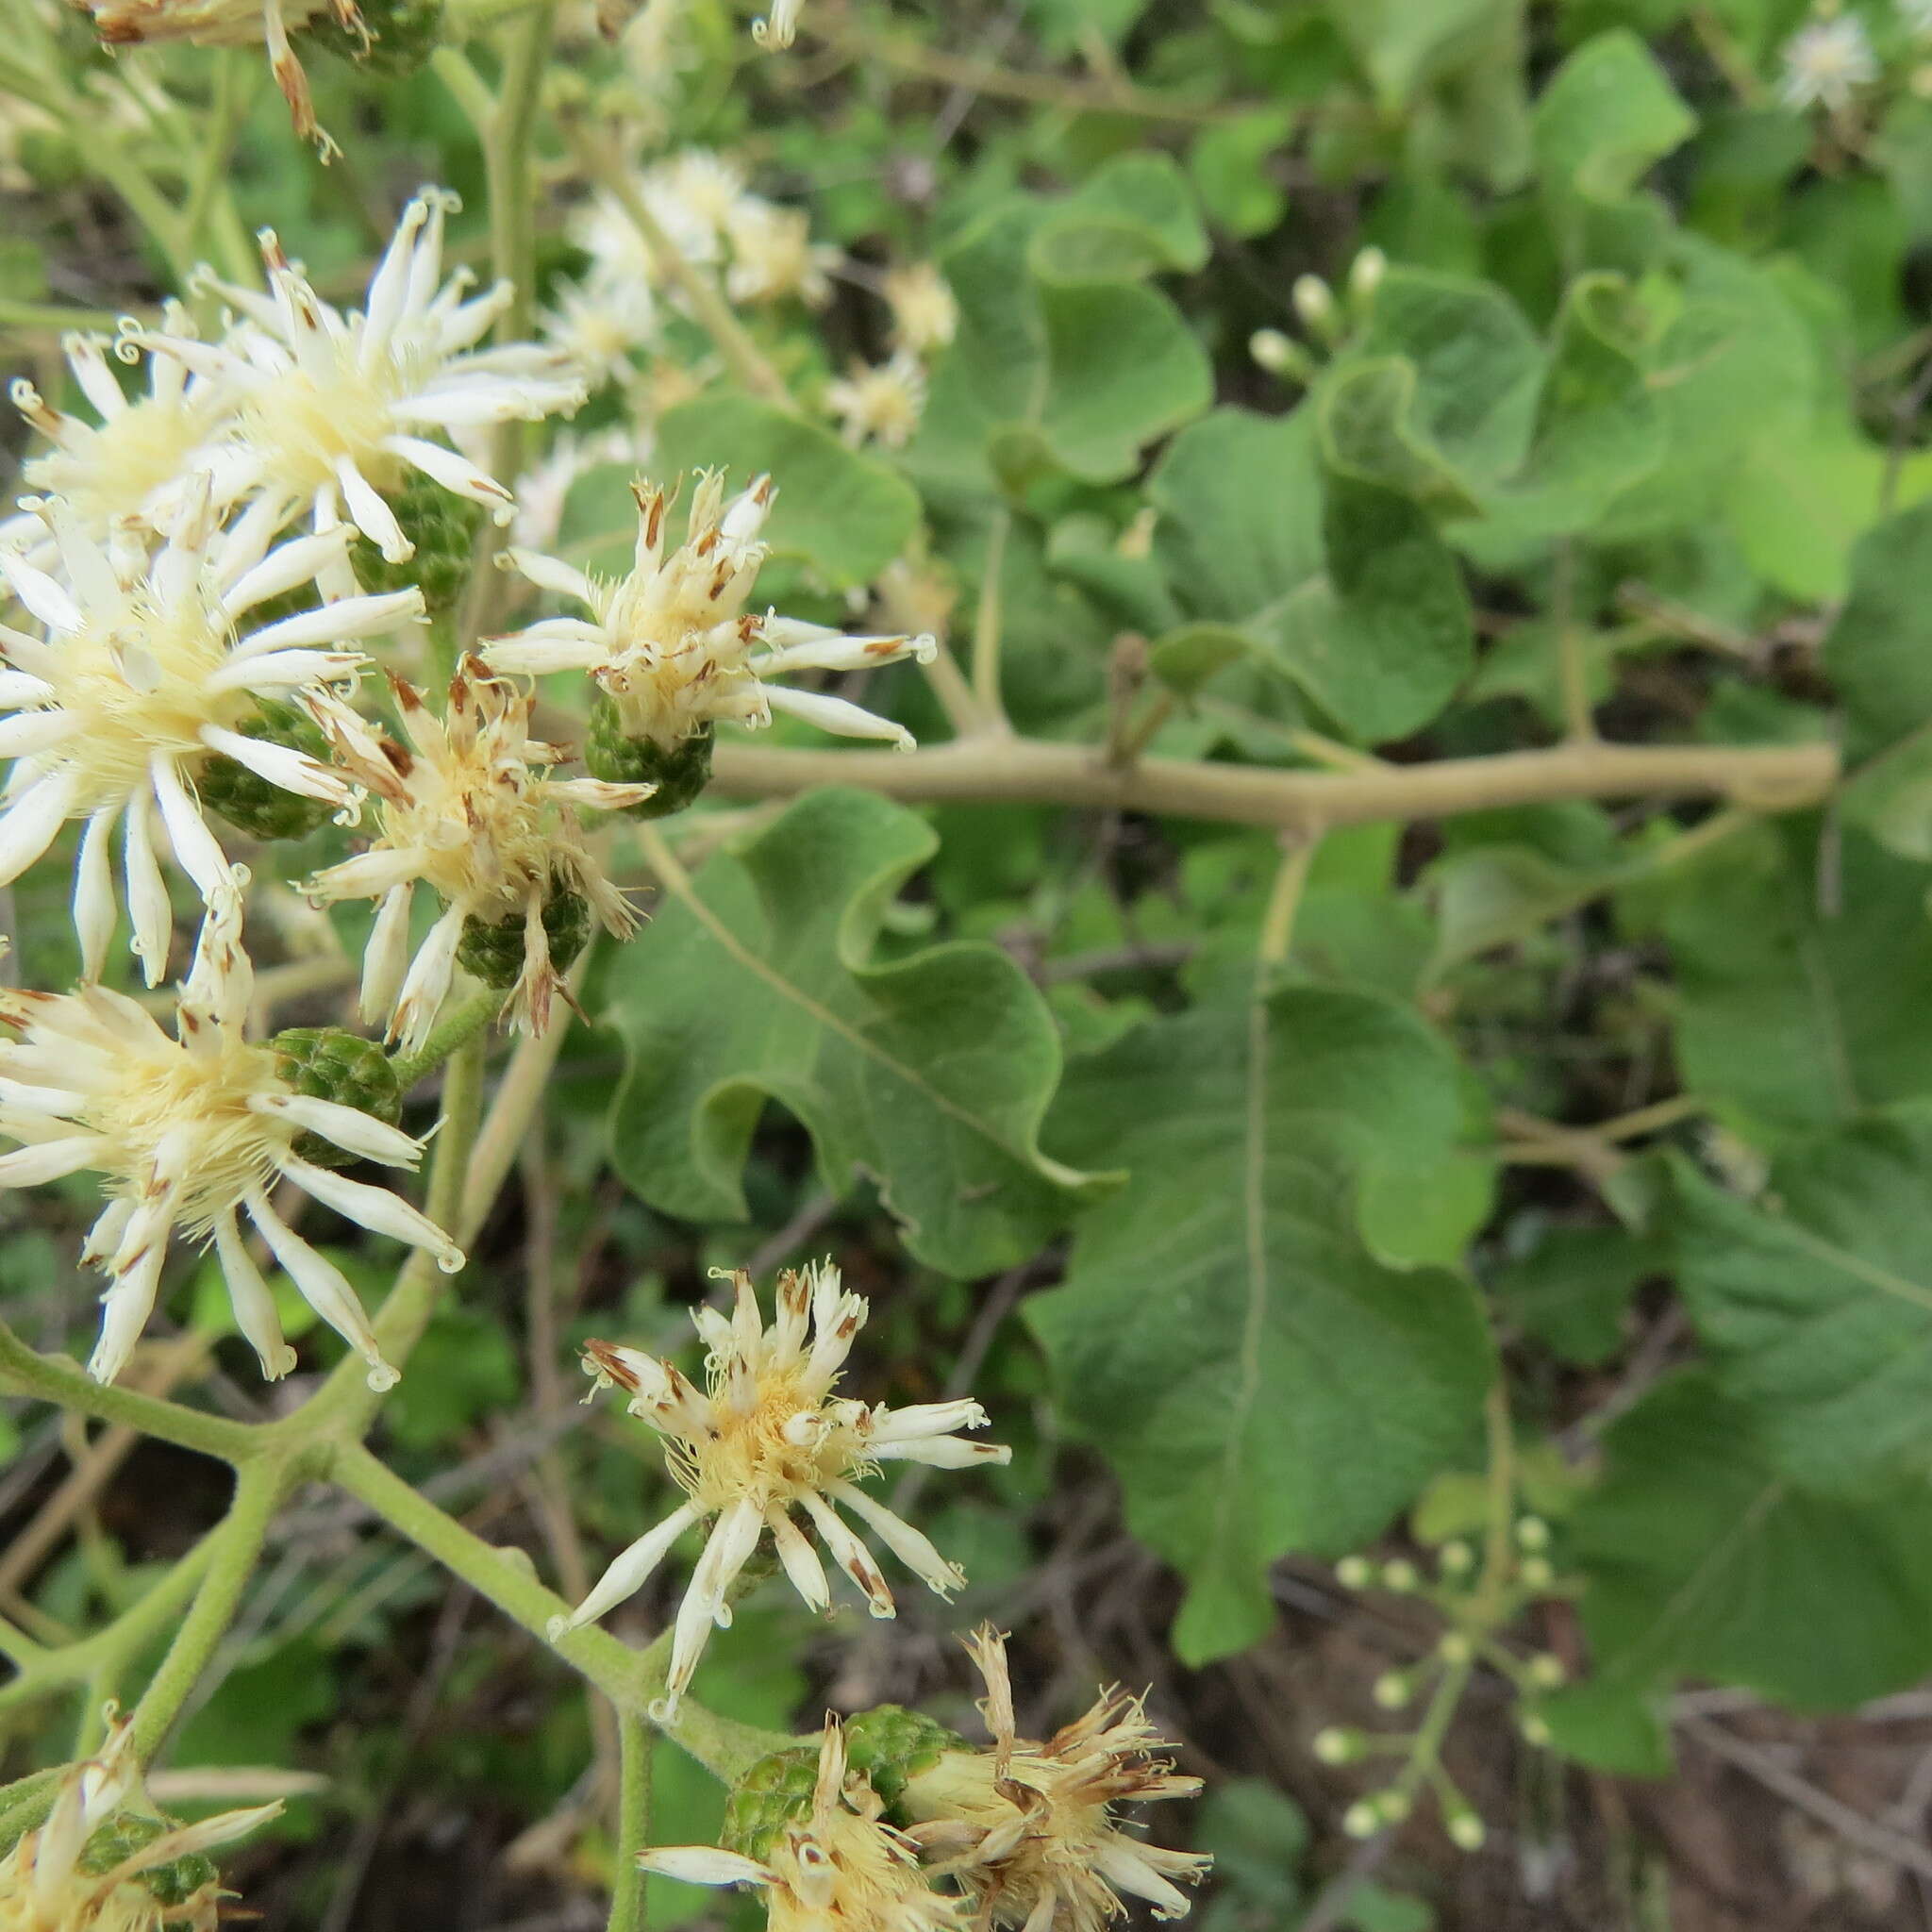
column 105, row 1860
column 1476, row 1599
column 1326, row 319
column 895, row 1823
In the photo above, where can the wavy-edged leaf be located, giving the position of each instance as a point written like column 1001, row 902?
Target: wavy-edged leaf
column 1258, row 1378
column 755, row 981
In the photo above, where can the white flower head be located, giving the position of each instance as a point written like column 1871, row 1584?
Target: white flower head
column 144, row 673
column 331, row 409
column 1827, row 62
column 187, row 1133
column 620, row 257
column 134, row 465
column 768, row 1439
column 598, row 324
column 673, row 645
column 838, row 1868
column 470, row 809
column 773, row 256
column 229, row 23
column 45, row 1886
column 881, row 403
column 924, row 315
column 1029, row 1829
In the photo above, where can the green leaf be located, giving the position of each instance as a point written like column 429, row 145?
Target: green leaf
column 1400, row 42
column 842, row 513
column 1878, row 651
column 1573, row 1289
column 1704, row 1559
column 1229, row 163
column 931, row 1073
column 1341, row 583
column 1607, row 116
column 1078, row 375
column 1223, row 1327
column 1136, row 216
column 1817, row 1299
column 1843, row 993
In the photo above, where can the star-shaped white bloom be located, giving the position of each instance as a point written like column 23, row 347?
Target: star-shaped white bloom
column 471, row 810
column 673, row 645
column 773, row 256
column 598, row 324
column 879, row 403
column 136, row 465
column 840, row 1868
column 924, row 315
column 769, row 1439
column 332, row 409
column 48, row 1885
column 1827, row 62
column 1030, row 1830
column 187, row 1133
column 144, row 673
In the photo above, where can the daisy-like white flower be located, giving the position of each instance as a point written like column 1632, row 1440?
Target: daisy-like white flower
column 597, row 324
column 229, row 23
column 1030, row 1830
column 694, row 220
column 331, row 409
column 773, row 256
column 1827, row 62
column 673, row 645
column 924, row 315
column 840, row 1868
column 187, row 1133
column 135, row 465
column 471, row 810
column 147, row 673
column 880, row 403
column 769, row 1439
column 66, row 1876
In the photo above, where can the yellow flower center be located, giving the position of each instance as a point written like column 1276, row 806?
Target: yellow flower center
column 119, row 466
column 305, row 426
column 782, row 1446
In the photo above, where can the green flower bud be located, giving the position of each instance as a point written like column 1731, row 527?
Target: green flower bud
column 443, row 526
column 892, row 1746
column 494, row 949
column 680, row 773
column 396, row 38
column 173, row 1883
column 329, row 1063
column 775, row 1791
column 246, row 799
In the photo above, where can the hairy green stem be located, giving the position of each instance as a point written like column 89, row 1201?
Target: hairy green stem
column 235, row 1545
column 25, row 1373
column 456, row 1029
column 636, row 1745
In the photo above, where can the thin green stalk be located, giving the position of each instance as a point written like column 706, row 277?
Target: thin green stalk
column 989, row 622
column 237, row 1541
column 27, row 1801
column 636, row 1745
column 456, row 1029
column 25, row 1373
column 53, row 317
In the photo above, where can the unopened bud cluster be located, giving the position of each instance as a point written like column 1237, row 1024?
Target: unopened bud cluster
column 1328, row 319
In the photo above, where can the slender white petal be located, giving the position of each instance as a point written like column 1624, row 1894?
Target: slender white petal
column 49, row 1161
column 375, row 1208
column 704, row 1865
column 351, row 617
column 30, row 823
column 942, row 1452
column 323, row 1285
column 910, row 1546
column 348, row 1127
column 428, row 981
column 93, row 893
column 28, row 732
column 371, row 515
column 386, row 958
column 837, row 714
column 195, row 847
column 254, row 1307
column 628, row 1572
column 124, row 1310
column 41, row 595
column 801, row 1567
column 850, row 1554
column 149, row 911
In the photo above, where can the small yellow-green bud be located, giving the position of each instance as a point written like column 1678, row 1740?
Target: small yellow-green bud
column 1281, row 356
column 1314, row 302
column 1532, row 1533
column 1394, row 1804
column 1455, row 1558
column 1362, row 1820
column 1336, row 1746
column 1354, row 1573
column 1365, row 274
column 1393, row 1690
column 1400, row 1576
column 1455, row 1648
column 1546, row 1672
column 1535, row 1731
column 1536, row 1572
column 1466, row 1831
column 680, row 772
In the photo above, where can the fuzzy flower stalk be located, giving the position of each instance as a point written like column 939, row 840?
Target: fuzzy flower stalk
column 100, row 1864
column 331, row 409
column 189, row 1133
column 766, row 1439
column 672, row 646
column 840, row 1868
column 470, row 808
column 1029, row 1830
column 146, row 671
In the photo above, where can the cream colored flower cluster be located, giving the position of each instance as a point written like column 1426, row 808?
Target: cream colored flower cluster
column 187, row 631
column 882, row 402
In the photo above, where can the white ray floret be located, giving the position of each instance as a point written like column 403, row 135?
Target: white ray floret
column 143, row 673
column 673, row 645
column 188, row 1134
column 766, row 1439
column 1827, row 62
column 470, row 809
column 332, row 409
column 48, row 1884
column 839, row 1868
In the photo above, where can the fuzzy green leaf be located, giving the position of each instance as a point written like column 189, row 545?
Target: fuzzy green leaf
column 1224, row 1330
column 756, row 982
column 1705, row 1559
